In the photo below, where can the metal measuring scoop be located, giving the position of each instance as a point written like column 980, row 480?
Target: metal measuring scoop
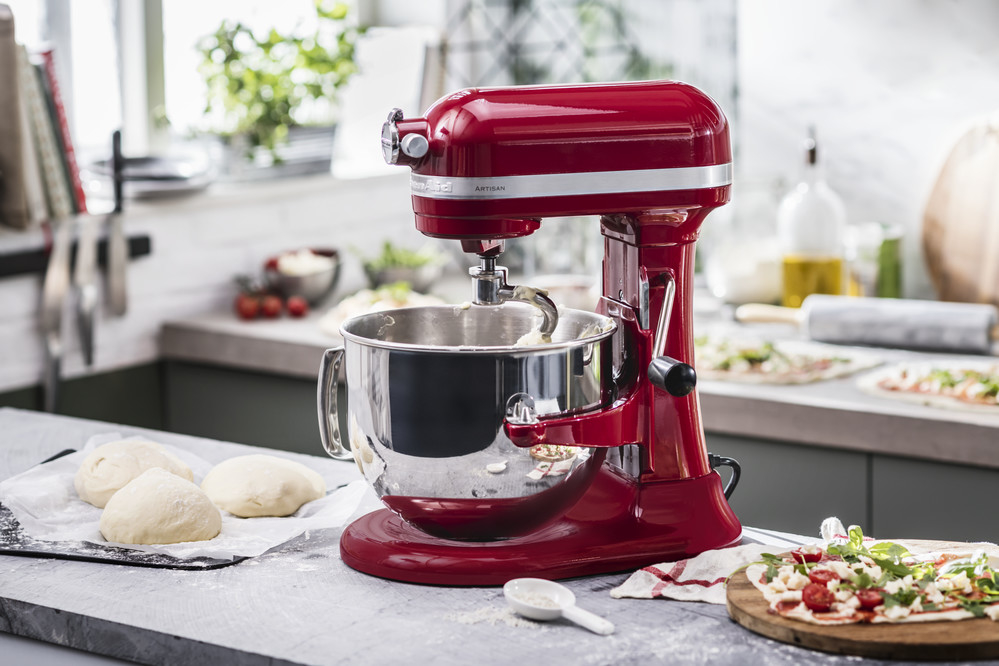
column 545, row 600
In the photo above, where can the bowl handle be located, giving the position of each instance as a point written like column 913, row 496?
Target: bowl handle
column 329, row 420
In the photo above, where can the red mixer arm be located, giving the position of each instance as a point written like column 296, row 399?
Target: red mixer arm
column 661, row 391
column 621, row 423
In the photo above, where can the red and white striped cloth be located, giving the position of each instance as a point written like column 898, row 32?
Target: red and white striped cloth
column 702, row 578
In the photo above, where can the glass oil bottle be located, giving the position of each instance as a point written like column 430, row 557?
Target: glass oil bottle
column 810, row 227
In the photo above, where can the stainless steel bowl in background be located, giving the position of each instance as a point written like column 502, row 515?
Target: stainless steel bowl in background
column 314, row 287
column 427, row 392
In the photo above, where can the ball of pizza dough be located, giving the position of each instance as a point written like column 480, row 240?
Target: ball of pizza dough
column 110, row 466
column 159, row 507
column 262, row 485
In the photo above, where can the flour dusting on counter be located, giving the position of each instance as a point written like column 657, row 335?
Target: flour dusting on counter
column 493, row 615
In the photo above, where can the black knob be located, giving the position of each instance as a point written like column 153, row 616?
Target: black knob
column 672, row 376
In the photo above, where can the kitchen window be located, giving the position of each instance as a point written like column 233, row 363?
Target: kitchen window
column 133, row 63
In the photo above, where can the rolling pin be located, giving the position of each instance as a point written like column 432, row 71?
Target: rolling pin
column 968, row 328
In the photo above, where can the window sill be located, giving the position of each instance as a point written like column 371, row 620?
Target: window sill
column 224, row 194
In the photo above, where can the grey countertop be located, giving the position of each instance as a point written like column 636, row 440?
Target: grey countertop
column 285, row 346
column 299, row 604
column 831, row 413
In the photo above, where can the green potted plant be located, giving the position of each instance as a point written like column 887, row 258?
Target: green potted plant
column 259, row 87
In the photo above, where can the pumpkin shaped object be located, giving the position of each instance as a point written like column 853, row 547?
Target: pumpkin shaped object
column 961, row 220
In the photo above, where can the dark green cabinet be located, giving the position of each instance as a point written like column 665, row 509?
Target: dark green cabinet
column 934, row 500
column 129, row 396
column 793, row 487
column 233, row 405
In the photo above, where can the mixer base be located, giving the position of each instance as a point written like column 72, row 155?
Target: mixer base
column 616, row 526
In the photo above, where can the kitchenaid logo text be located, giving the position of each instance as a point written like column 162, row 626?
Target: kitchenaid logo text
column 431, row 186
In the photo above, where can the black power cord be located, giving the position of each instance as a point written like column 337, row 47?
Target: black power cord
column 733, row 464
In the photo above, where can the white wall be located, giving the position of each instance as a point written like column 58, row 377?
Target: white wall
column 890, row 85
column 198, row 246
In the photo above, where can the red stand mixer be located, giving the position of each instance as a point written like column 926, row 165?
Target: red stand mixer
column 652, row 159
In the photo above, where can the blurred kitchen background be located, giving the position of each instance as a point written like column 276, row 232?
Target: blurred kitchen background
column 889, row 86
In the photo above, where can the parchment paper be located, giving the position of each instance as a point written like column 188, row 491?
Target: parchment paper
column 45, row 503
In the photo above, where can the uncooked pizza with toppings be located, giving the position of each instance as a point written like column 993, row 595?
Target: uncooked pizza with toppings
column 953, row 385
column 850, row 581
column 774, row 362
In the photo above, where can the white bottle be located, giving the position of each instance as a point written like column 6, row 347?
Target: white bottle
column 810, row 226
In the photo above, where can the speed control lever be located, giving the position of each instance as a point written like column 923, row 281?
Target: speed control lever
column 672, row 376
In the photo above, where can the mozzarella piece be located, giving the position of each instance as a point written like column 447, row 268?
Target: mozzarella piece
column 933, row 595
column 841, row 569
column 895, row 586
column 796, row 581
column 975, row 389
column 846, row 606
column 777, row 585
column 959, row 582
column 897, row 612
column 802, row 613
column 869, row 567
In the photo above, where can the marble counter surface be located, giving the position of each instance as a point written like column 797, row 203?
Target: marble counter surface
column 299, row 604
column 831, row 413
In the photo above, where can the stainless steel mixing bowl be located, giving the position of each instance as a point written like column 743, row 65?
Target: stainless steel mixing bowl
column 427, row 392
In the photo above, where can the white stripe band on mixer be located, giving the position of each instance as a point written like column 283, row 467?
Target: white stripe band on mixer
column 572, row 184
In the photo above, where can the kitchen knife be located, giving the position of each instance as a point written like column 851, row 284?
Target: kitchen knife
column 117, row 245
column 53, row 294
column 85, row 282
column 969, row 328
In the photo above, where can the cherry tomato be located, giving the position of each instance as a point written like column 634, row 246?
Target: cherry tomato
column 297, row 306
column 802, row 556
column 817, row 597
column 822, row 576
column 869, row 598
column 247, row 306
column 271, row 306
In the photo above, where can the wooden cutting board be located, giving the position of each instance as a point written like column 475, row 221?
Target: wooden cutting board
column 930, row 641
column 960, row 233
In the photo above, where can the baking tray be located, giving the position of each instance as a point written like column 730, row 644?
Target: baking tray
column 13, row 541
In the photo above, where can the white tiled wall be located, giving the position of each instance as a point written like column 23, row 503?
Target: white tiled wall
column 890, row 85
column 198, row 246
